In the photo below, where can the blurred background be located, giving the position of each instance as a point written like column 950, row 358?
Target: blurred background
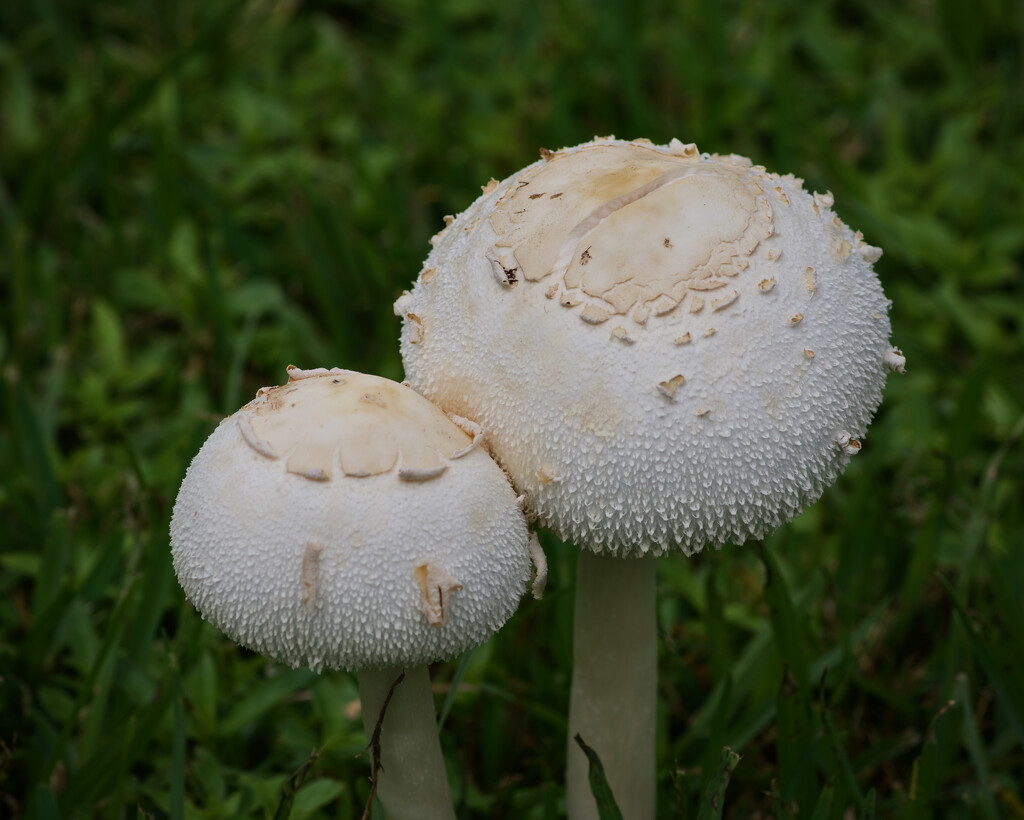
column 194, row 194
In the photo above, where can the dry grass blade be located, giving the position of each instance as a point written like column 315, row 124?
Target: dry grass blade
column 374, row 746
column 293, row 784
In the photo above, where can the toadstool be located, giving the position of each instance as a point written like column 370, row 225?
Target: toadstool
column 343, row 521
column 666, row 350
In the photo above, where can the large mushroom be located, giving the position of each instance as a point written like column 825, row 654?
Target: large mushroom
column 666, row 351
column 342, row 521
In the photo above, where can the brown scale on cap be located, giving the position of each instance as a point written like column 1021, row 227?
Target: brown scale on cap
column 311, row 574
column 810, row 279
column 436, row 585
column 670, row 386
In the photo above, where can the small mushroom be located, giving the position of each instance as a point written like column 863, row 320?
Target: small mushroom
column 343, row 521
column 692, row 435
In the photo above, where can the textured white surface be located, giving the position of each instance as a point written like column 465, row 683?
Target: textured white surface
column 661, row 347
column 328, row 572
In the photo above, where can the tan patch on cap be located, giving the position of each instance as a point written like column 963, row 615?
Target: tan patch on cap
column 364, row 424
column 636, row 230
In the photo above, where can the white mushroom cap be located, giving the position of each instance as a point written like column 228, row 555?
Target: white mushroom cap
column 665, row 350
column 343, row 521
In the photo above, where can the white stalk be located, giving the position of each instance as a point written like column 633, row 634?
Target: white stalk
column 411, row 783
column 614, row 683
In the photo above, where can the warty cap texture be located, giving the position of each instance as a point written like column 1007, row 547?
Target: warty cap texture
column 342, row 521
column 665, row 349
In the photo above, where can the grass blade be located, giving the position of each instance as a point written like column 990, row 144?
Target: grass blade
column 823, row 808
column 845, row 766
column 265, row 696
column 714, row 797
column 453, row 688
column 1008, row 689
column 717, row 739
column 870, row 808
column 177, row 810
column 607, row 808
column 293, row 784
column 36, row 452
column 972, row 740
column 796, row 774
column 46, row 804
column 789, row 633
column 929, row 766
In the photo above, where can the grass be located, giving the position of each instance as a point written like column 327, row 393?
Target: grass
column 195, row 194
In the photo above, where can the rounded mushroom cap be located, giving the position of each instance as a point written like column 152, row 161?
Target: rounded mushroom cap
column 665, row 350
column 343, row 521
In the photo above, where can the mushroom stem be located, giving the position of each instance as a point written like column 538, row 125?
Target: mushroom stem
column 614, row 683
column 411, row 781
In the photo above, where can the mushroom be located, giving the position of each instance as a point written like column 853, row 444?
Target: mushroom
column 343, row 521
column 665, row 350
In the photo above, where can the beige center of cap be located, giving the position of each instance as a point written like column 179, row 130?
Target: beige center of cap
column 367, row 424
column 623, row 229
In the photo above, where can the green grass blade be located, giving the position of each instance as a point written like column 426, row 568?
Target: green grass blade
column 99, row 772
column 155, row 585
column 717, row 628
column 975, row 748
column 870, row 807
column 292, row 785
column 36, row 453
column 1008, row 687
column 453, row 688
column 794, row 730
column 264, row 696
column 56, row 548
column 842, row 758
column 607, row 808
column 111, row 639
column 823, row 806
column 716, row 741
column 46, row 804
column 714, row 798
column 789, row 632
column 177, row 808
column 929, row 767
